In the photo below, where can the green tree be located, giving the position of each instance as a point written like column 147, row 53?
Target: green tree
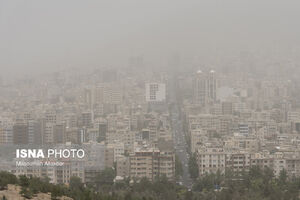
column 105, row 178
column 23, row 181
column 7, row 178
column 282, row 177
column 193, row 166
column 25, row 192
column 35, row 184
column 208, row 182
column 57, row 191
column 178, row 167
column 75, row 183
column 143, row 185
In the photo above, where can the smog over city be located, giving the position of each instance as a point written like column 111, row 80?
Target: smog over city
column 140, row 100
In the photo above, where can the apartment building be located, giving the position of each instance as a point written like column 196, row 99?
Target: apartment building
column 197, row 139
column 152, row 162
column 211, row 160
column 123, row 166
column 238, row 162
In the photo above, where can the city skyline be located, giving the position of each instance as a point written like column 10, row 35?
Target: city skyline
column 150, row 100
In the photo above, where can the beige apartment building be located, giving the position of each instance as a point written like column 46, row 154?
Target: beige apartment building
column 238, row 162
column 198, row 137
column 211, row 160
column 123, row 166
column 151, row 162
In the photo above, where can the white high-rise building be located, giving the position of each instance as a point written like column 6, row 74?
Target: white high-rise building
column 205, row 87
column 212, row 85
column 155, row 92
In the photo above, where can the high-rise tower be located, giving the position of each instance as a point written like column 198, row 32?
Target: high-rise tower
column 212, row 86
column 204, row 88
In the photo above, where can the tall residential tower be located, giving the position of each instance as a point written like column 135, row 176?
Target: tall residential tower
column 205, row 87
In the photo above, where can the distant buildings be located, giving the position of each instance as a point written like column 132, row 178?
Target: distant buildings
column 20, row 133
column 123, row 121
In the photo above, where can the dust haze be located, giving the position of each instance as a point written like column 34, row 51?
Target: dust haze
column 45, row 36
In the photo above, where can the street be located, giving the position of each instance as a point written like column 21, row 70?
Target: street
column 180, row 144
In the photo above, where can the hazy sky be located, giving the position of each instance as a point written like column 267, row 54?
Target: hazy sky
column 43, row 35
